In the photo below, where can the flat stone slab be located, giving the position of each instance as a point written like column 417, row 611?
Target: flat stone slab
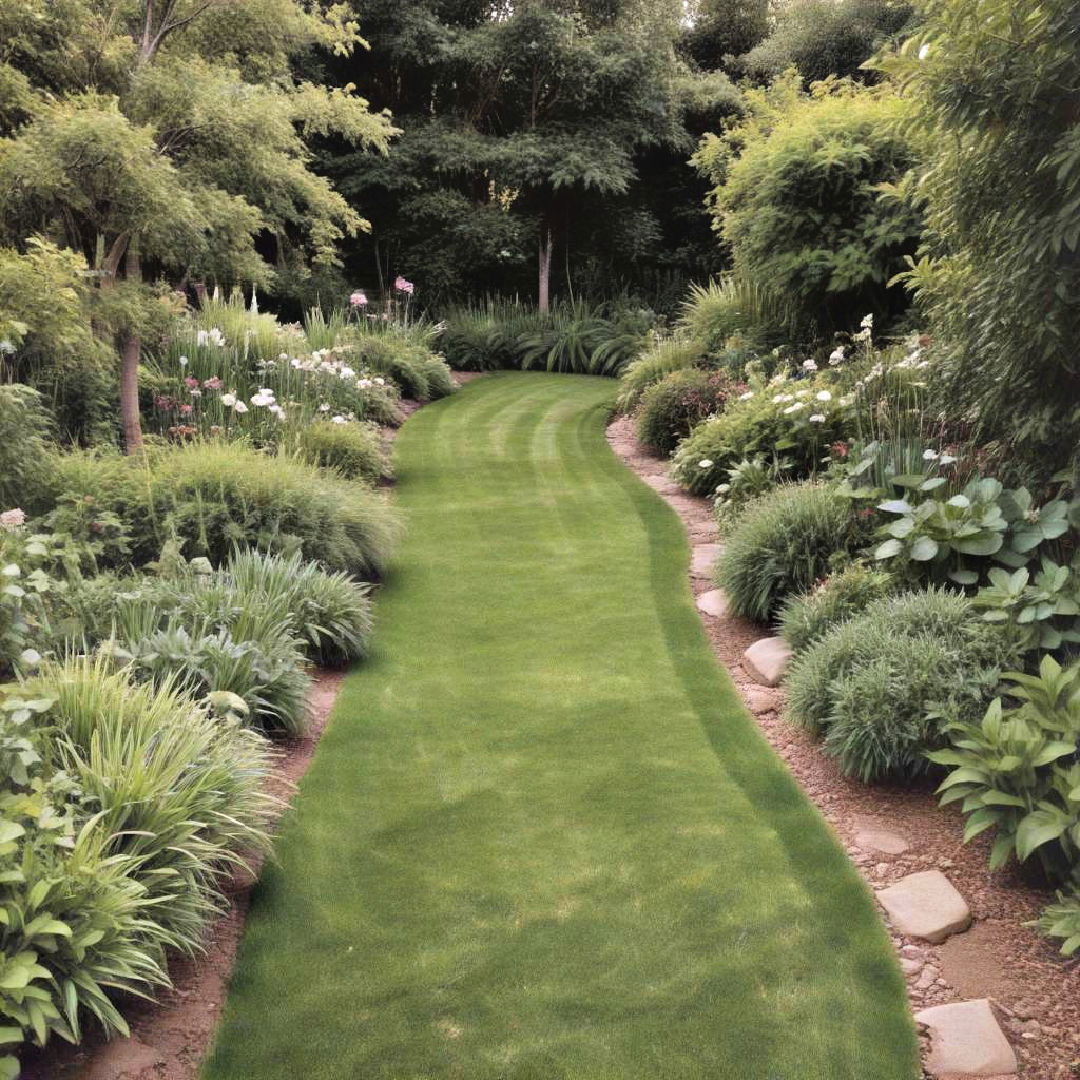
column 926, row 905
column 966, row 1040
column 872, row 835
column 767, row 660
column 713, row 603
column 703, row 558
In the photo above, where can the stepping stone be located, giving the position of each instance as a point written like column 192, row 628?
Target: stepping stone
column 965, row 1040
column 662, row 485
column 767, row 660
column 713, row 603
column 926, row 905
column 703, row 558
column 760, row 701
column 872, row 835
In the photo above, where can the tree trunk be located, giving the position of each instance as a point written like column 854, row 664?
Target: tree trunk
column 544, row 291
column 130, row 351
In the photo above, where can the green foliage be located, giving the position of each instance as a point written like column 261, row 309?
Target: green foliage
column 781, row 545
column 1043, row 609
column 1062, row 920
column 24, row 434
column 671, row 408
column 797, row 199
column 121, row 810
column 721, row 30
column 357, row 451
column 992, row 90
column 25, row 582
column 826, row 37
column 807, row 617
column 724, row 308
column 871, row 682
column 746, row 481
column 1017, row 771
column 793, row 420
column 666, row 355
column 216, row 496
column 574, row 337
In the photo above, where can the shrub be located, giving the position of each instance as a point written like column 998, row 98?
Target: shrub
column 670, row 408
column 1017, row 771
column 797, row 420
column 357, row 451
column 747, row 481
column 998, row 274
column 1062, row 920
column 805, row 618
column 781, row 545
column 775, row 171
column 826, row 37
column 217, row 496
column 330, row 613
column 411, row 365
column 666, row 356
column 876, row 676
column 24, row 433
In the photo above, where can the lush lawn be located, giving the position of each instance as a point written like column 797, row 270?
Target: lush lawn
column 542, row 839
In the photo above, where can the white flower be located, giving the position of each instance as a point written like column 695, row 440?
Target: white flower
column 809, row 365
column 802, row 393
column 283, row 356
column 296, row 362
column 924, row 50
column 836, row 357
column 6, row 346
column 278, row 411
column 379, row 382
column 867, row 322
column 780, row 398
column 201, row 337
column 339, row 420
column 705, row 463
column 948, row 459
column 184, row 361
column 823, row 395
column 30, row 657
column 747, row 396
column 347, row 373
column 228, row 399
column 930, row 455
column 240, row 407
column 260, row 399
column 324, row 407
column 794, row 408
column 817, row 418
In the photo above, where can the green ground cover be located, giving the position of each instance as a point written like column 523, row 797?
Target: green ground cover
column 542, row 839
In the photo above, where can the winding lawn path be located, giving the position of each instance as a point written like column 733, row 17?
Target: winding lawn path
column 542, row 838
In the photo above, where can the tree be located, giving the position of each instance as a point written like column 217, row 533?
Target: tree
column 721, row 30
column 797, row 199
column 523, row 128
column 169, row 137
column 994, row 91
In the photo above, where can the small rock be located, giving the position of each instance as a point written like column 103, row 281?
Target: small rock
column 871, row 835
column 965, row 1040
column 928, row 977
column 703, row 558
column 910, row 967
column 767, row 660
column 926, row 905
column 760, row 701
column 713, row 603
column 913, row 952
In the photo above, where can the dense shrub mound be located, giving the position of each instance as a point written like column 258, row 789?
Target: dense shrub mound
column 805, row 618
column 870, row 683
column 781, row 545
column 215, row 497
column 666, row 356
column 24, row 431
column 354, row 450
column 671, row 408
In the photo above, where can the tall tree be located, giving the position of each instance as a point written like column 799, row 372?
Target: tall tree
column 525, row 127
column 169, row 137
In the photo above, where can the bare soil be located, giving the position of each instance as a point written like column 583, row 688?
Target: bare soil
column 1035, row 992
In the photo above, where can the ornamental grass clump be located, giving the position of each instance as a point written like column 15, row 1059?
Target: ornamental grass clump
column 664, row 357
column 871, row 683
column 781, row 545
column 216, row 497
column 356, row 451
column 671, row 408
column 807, row 617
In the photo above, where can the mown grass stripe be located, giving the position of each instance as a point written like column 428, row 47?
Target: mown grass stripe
column 542, row 839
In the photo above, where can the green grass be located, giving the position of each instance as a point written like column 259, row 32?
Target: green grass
column 542, row 838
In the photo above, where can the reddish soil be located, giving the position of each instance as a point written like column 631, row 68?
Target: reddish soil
column 1035, row 992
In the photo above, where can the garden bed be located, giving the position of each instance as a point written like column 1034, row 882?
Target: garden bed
column 1035, row 993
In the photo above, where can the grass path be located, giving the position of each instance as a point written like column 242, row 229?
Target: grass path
column 542, row 838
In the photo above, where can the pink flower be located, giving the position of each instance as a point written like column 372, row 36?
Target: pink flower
column 359, row 298
column 191, row 383
column 185, row 410
column 213, row 384
column 12, row 519
column 403, row 286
